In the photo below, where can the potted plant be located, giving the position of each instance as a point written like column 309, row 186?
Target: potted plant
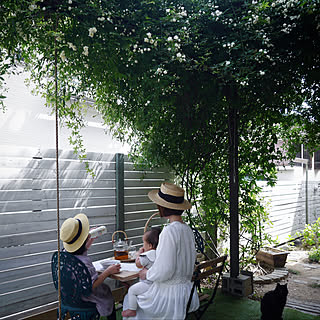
column 272, row 257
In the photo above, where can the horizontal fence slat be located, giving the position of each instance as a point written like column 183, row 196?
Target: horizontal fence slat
column 36, row 205
column 16, row 309
column 154, row 184
column 29, row 293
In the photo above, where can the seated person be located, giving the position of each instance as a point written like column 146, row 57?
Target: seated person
column 146, row 257
column 172, row 270
column 76, row 240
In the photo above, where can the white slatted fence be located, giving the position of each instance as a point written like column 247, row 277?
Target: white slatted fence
column 286, row 203
column 28, row 220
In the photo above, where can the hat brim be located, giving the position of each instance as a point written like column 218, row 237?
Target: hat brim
column 83, row 236
column 154, row 196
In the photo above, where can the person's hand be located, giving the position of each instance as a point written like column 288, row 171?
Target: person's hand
column 141, row 250
column 143, row 274
column 89, row 242
column 114, row 268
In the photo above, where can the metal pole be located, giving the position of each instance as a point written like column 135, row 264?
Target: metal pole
column 57, row 166
column 307, row 204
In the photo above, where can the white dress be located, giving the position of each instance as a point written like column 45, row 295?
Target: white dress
column 171, row 274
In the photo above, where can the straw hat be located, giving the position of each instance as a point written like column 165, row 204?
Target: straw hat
column 170, row 196
column 74, row 232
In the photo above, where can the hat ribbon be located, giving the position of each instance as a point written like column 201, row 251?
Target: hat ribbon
column 169, row 198
column 76, row 237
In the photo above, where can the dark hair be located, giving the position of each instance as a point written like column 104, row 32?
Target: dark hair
column 165, row 212
column 152, row 236
column 81, row 250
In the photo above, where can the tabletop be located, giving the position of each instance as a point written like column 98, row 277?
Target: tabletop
column 128, row 271
column 125, row 275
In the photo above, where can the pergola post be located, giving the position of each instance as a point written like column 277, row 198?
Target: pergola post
column 233, row 192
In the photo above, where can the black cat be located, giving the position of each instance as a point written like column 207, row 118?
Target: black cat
column 273, row 302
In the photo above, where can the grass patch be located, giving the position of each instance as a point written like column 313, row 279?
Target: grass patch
column 233, row 308
column 294, row 271
column 227, row 307
column 314, row 285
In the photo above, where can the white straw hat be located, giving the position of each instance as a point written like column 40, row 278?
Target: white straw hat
column 170, row 196
column 74, row 232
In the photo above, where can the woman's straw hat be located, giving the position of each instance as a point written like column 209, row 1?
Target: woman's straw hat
column 170, row 196
column 74, row 232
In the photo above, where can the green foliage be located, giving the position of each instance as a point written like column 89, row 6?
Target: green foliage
column 314, row 255
column 311, row 235
column 166, row 76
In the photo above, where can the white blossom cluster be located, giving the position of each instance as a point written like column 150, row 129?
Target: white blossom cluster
column 174, row 47
column 161, row 71
column 149, row 43
column 229, row 45
column 176, row 14
column 216, row 14
column 149, row 39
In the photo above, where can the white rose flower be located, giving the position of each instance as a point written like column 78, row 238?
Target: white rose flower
column 72, row 46
column 92, row 31
column 149, row 34
column 85, row 51
column 63, row 56
column 32, row 7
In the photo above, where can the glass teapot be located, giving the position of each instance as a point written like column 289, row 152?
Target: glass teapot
column 120, row 247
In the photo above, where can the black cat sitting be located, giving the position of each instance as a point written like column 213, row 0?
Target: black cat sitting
column 273, row 302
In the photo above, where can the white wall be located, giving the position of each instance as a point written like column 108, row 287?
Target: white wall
column 28, row 122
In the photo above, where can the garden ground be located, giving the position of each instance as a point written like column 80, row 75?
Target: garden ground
column 303, row 282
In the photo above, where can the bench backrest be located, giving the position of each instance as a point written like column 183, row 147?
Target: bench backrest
column 202, row 271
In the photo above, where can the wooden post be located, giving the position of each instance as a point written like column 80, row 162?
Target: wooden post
column 120, row 191
column 233, row 192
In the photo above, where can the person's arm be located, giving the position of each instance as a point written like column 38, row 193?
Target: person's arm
column 115, row 268
column 89, row 241
column 138, row 263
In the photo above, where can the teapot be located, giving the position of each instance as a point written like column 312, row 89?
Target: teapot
column 120, row 247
